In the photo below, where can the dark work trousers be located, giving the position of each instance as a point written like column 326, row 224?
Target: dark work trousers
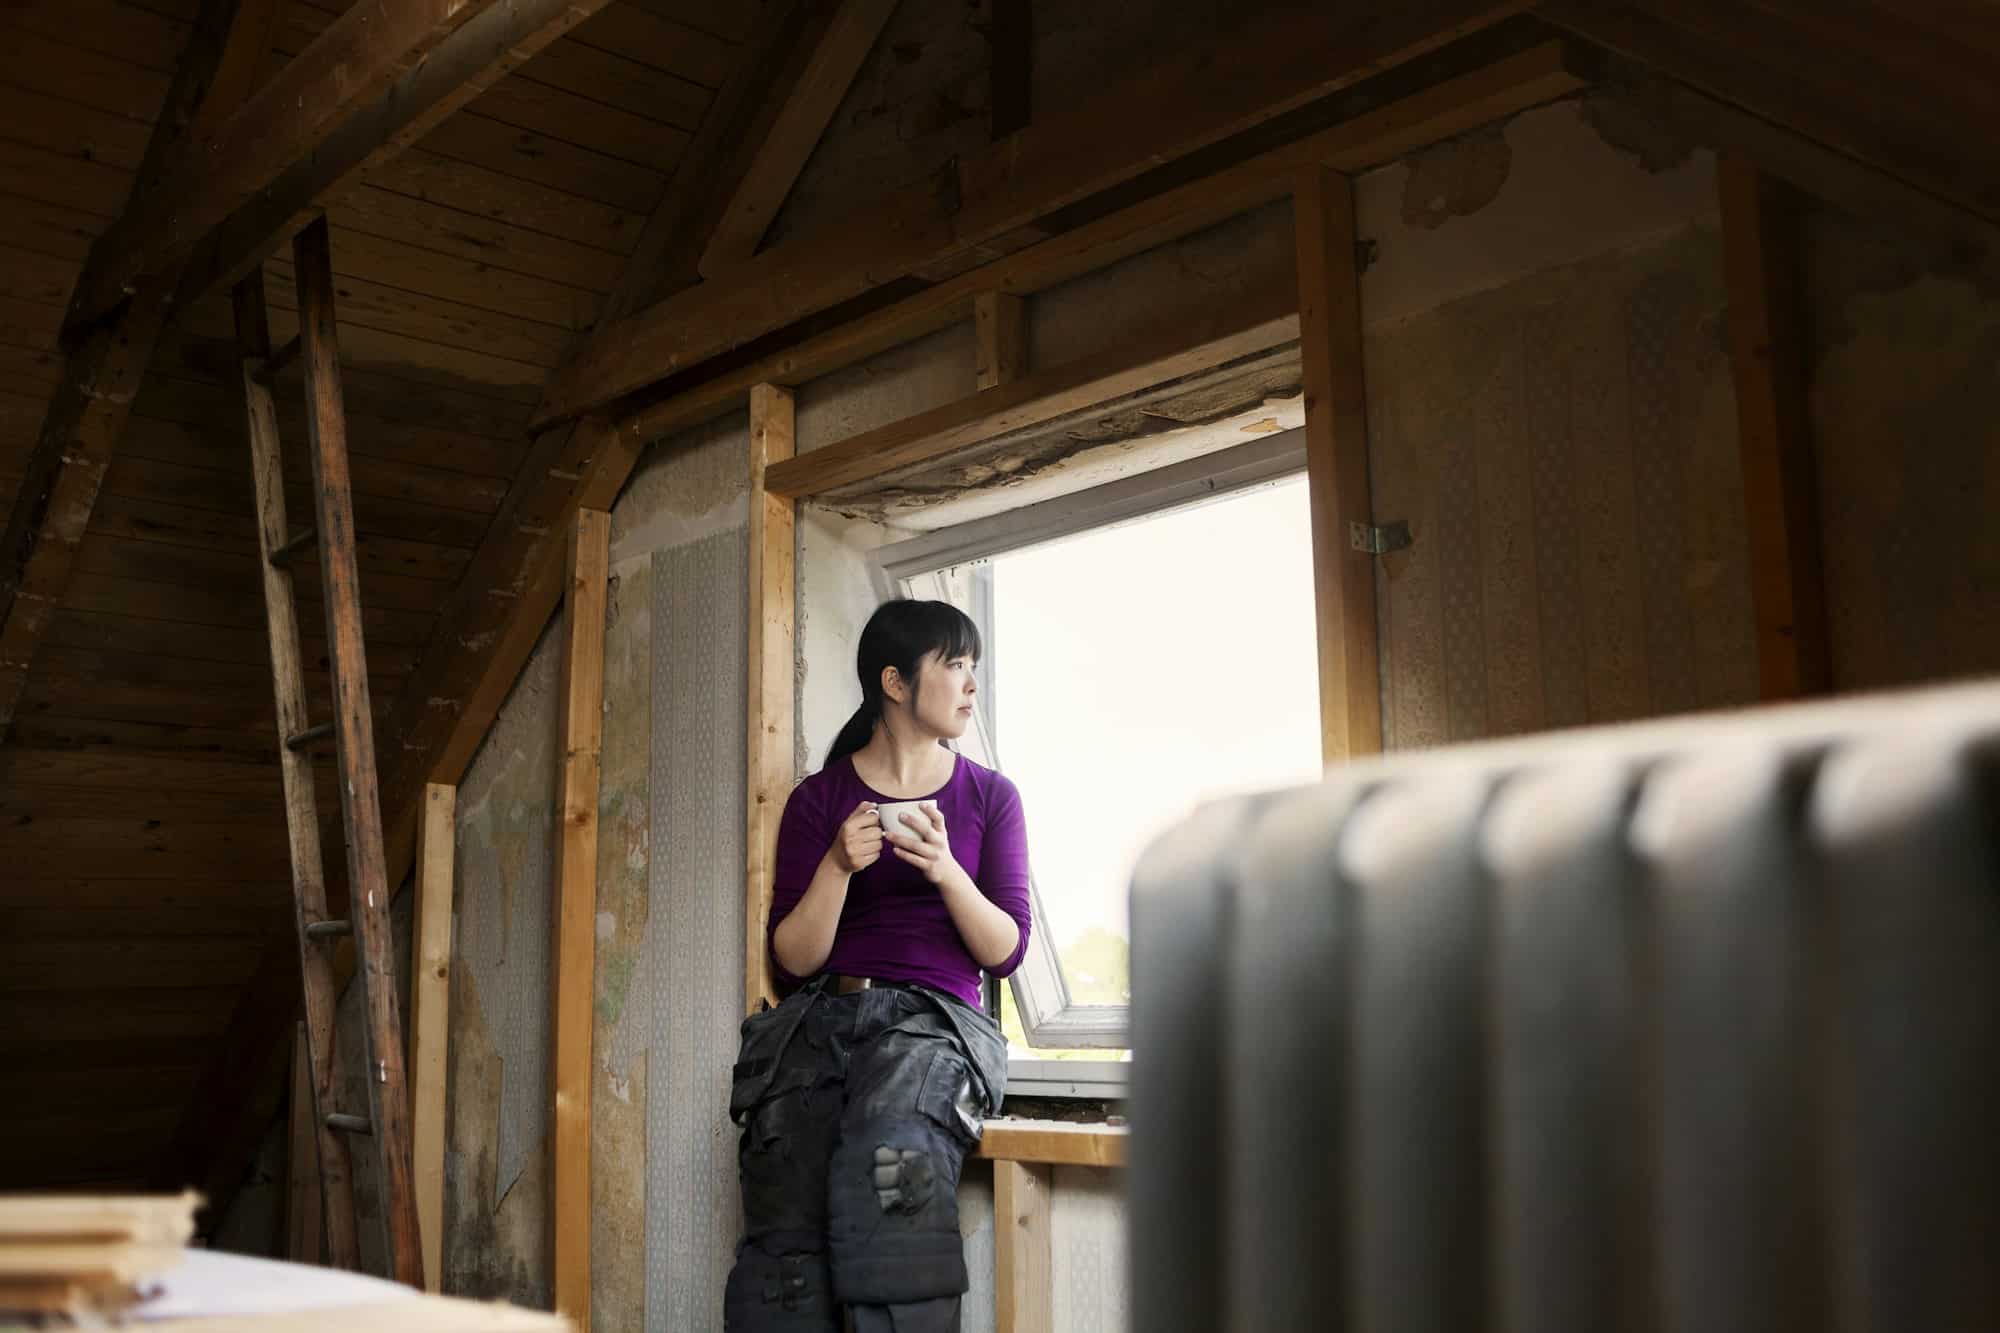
column 857, row 1112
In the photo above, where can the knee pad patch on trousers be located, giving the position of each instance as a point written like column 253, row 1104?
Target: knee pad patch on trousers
column 790, row 1292
column 892, row 1201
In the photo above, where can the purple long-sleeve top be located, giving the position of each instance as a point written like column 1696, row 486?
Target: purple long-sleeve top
column 894, row 925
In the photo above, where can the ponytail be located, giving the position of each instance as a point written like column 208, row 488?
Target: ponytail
column 859, row 730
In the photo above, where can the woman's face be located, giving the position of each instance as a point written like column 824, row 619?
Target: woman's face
column 945, row 687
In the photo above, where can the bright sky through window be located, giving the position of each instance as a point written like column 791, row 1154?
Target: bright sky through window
column 1144, row 669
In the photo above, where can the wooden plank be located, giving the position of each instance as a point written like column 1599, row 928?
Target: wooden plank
column 362, row 55
column 489, row 244
column 1023, row 1268
column 60, row 481
column 1055, row 1142
column 1377, row 134
column 388, row 1094
column 72, row 130
column 474, row 58
column 574, row 983
column 772, row 726
column 572, row 168
column 1000, row 329
column 540, row 108
column 302, row 1197
column 302, row 820
column 91, row 1017
column 1262, row 320
column 807, row 109
column 110, row 963
column 176, row 525
column 465, row 188
column 430, row 1012
column 666, row 42
column 46, row 228
column 1774, row 432
column 74, row 74
column 1278, row 64
column 124, row 32
column 1336, row 405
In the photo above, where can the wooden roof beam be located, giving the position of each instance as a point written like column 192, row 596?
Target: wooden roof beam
column 1277, row 65
column 800, row 122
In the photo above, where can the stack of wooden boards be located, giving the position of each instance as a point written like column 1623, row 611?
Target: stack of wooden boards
column 78, row 1254
column 87, row 1259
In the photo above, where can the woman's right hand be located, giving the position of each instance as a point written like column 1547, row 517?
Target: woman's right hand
column 859, row 843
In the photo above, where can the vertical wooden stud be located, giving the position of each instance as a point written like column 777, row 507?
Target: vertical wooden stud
column 1023, row 1270
column 430, row 1010
column 1350, row 685
column 576, row 904
column 1000, row 325
column 771, row 711
column 1780, row 492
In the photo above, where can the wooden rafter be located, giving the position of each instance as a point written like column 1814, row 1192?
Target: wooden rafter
column 1278, row 65
column 477, row 55
column 102, row 372
column 801, row 118
column 361, row 54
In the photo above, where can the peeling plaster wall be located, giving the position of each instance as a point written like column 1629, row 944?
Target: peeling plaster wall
column 496, row 1118
column 1905, row 370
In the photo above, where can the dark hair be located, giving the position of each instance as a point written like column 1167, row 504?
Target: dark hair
column 901, row 634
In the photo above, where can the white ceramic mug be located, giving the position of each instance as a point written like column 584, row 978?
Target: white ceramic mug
column 909, row 813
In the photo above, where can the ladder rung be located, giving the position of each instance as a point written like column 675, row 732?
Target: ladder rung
column 303, row 538
column 331, row 926
column 352, row 1124
column 304, row 738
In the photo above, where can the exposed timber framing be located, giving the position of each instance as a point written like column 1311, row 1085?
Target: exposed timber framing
column 806, row 108
column 430, row 1016
column 1774, row 433
column 574, row 983
column 1278, row 64
column 1055, row 1142
column 1350, row 683
column 772, row 721
column 1023, row 1261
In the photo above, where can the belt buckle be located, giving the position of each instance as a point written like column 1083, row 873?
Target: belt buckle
column 846, row 985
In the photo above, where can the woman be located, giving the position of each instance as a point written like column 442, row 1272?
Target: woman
column 860, row 1094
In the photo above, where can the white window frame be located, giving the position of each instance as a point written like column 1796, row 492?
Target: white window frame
column 1041, row 994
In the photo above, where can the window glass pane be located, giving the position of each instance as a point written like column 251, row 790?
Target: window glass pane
column 1149, row 667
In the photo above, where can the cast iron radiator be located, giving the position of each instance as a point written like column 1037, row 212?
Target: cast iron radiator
column 1688, row 1026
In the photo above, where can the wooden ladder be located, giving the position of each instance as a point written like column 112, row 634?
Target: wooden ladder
column 367, row 923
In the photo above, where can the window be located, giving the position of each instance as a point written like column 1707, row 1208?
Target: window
column 1150, row 646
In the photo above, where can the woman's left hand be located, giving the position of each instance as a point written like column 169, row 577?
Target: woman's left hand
column 929, row 852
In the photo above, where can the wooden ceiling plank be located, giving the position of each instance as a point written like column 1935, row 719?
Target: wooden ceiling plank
column 465, row 188
column 490, row 248
column 72, row 183
column 571, row 168
column 125, row 32
column 806, row 110
column 46, row 228
column 366, row 53
column 478, row 55
column 87, row 412
column 75, row 74
column 71, row 129
column 563, row 116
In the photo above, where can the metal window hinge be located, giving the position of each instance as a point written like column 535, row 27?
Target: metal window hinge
column 1373, row 539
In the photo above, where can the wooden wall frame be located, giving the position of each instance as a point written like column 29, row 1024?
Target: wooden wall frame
column 575, row 908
